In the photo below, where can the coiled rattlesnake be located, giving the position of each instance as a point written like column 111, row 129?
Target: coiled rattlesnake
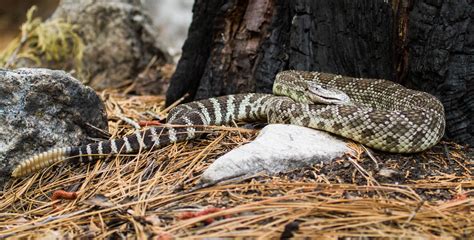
column 378, row 113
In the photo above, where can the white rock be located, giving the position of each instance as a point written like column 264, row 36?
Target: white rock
column 278, row 148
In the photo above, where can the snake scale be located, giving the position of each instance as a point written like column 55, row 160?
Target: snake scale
column 377, row 113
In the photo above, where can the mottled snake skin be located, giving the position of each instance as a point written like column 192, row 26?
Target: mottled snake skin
column 382, row 115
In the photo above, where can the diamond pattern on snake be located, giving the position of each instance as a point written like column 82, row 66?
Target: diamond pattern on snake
column 377, row 113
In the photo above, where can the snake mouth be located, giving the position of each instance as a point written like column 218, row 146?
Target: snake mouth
column 332, row 98
column 326, row 95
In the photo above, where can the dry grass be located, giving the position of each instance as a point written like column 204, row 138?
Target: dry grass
column 155, row 194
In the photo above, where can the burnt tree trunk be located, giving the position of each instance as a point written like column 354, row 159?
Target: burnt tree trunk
column 237, row 46
column 441, row 60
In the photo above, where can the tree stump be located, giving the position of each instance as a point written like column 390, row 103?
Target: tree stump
column 441, row 60
column 237, row 46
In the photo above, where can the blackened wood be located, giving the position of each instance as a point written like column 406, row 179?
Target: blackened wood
column 402, row 9
column 196, row 49
column 239, row 46
column 441, row 61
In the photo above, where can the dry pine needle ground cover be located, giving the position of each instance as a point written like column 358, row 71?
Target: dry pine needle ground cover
column 158, row 194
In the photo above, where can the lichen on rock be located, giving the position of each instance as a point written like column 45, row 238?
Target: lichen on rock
column 41, row 109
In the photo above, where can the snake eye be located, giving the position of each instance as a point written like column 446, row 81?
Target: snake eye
column 315, row 88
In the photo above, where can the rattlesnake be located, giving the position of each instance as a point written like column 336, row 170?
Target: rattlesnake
column 378, row 113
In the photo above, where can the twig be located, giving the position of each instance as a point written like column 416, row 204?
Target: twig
column 129, row 121
column 371, row 156
column 155, row 116
column 413, row 214
column 166, row 110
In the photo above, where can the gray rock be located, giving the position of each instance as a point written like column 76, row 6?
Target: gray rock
column 120, row 42
column 278, row 148
column 41, row 109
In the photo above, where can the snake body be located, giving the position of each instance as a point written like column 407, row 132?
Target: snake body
column 380, row 114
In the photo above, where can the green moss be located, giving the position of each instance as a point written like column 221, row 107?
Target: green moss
column 52, row 44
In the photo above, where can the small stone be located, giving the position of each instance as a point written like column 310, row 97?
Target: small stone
column 278, row 148
column 388, row 173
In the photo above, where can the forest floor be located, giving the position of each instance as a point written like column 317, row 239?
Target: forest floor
column 158, row 194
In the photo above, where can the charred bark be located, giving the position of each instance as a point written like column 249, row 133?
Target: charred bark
column 441, row 60
column 237, row 46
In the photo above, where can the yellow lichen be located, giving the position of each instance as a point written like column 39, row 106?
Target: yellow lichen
column 52, row 44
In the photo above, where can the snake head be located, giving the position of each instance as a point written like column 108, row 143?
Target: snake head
column 318, row 93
